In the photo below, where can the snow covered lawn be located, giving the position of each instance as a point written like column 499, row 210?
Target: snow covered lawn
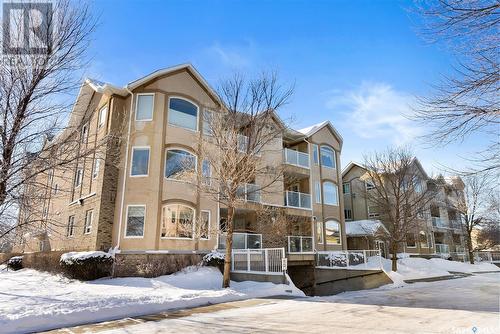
column 35, row 301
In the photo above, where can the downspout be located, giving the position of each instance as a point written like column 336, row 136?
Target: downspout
column 125, row 169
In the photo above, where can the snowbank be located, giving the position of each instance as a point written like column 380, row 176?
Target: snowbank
column 464, row 267
column 72, row 257
column 414, row 268
column 35, row 301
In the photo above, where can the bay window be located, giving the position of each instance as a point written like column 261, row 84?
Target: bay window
column 330, row 193
column 177, row 221
column 327, row 157
column 179, row 164
column 183, row 113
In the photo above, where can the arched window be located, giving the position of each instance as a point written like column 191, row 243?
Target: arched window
column 179, row 164
column 422, row 238
column 330, row 193
column 183, row 113
column 177, row 221
column 332, row 231
column 327, row 157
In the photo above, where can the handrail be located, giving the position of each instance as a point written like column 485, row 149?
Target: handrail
column 296, row 158
column 296, row 199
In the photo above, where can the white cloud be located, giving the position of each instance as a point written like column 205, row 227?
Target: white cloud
column 376, row 111
column 233, row 56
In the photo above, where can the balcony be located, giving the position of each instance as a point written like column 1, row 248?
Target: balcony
column 296, row 158
column 249, row 192
column 442, row 249
column 438, row 222
column 456, row 224
column 297, row 200
column 300, row 245
column 242, row 241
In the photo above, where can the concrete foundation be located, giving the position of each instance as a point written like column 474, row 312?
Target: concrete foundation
column 240, row 277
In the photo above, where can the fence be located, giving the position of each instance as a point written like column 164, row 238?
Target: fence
column 492, row 257
column 263, row 261
column 356, row 259
column 298, row 244
column 297, row 200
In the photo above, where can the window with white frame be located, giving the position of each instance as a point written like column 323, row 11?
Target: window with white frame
column 70, row 229
column 422, row 238
column 208, row 116
column 97, row 165
column 205, row 225
column 348, row 214
column 327, row 157
column 78, row 177
column 330, row 193
column 136, row 215
column 144, row 107
column 369, row 185
column 319, row 232
column 179, row 164
column 410, row 240
column 206, row 172
column 89, row 216
column 332, row 232
column 315, row 154
column 183, row 113
column 177, row 221
column 373, row 211
column 346, row 188
column 317, row 192
column 103, row 114
column 140, row 161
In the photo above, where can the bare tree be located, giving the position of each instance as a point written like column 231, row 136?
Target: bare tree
column 34, row 87
column 466, row 101
column 399, row 193
column 240, row 152
column 471, row 206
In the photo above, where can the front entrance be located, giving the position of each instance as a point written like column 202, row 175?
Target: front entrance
column 380, row 245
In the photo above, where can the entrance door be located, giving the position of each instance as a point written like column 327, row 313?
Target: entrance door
column 380, row 245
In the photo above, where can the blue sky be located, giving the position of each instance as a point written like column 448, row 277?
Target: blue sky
column 359, row 64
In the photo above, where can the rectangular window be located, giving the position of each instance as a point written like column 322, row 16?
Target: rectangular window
column 319, row 232
column 327, row 157
column 205, row 225
column 315, row 154
column 373, row 211
column 135, row 221
column 206, row 172
column 89, row 216
column 422, row 239
column 317, row 192
column 144, row 107
column 85, row 133
column 332, row 231
column 70, row 229
column 103, row 114
column 348, row 214
column 97, row 165
column 207, row 122
column 140, row 161
column 56, row 188
column 330, row 193
column 78, row 177
column 346, row 188
column 410, row 240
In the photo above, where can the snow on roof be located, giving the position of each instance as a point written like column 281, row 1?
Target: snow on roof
column 363, row 227
column 312, row 129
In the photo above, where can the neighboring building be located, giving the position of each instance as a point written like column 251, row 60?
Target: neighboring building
column 439, row 230
column 126, row 198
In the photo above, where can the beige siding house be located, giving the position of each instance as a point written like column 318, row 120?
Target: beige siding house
column 125, row 198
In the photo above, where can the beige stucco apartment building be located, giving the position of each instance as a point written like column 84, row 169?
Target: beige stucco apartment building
column 125, row 197
column 439, row 231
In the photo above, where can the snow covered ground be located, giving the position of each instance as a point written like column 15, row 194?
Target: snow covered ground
column 34, row 301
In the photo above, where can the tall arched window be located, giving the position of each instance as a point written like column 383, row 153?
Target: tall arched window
column 332, row 232
column 183, row 113
column 179, row 164
column 330, row 193
column 327, row 157
column 177, row 221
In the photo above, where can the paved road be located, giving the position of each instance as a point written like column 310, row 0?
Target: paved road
column 455, row 306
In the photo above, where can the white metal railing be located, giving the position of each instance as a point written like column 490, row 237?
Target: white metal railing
column 249, row 192
column 354, row 259
column 442, row 249
column 261, row 261
column 242, row 241
column 295, row 199
column 459, row 256
column 296, row 158
column 438, row 222
column 492, row 257
column 299, row 244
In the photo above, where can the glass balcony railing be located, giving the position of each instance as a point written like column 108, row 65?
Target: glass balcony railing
column 298, row 244
column 242, row 241
column 249, row 192
column 442, row 249
column 296, row 158
column 438, row 222
column 295, row 199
